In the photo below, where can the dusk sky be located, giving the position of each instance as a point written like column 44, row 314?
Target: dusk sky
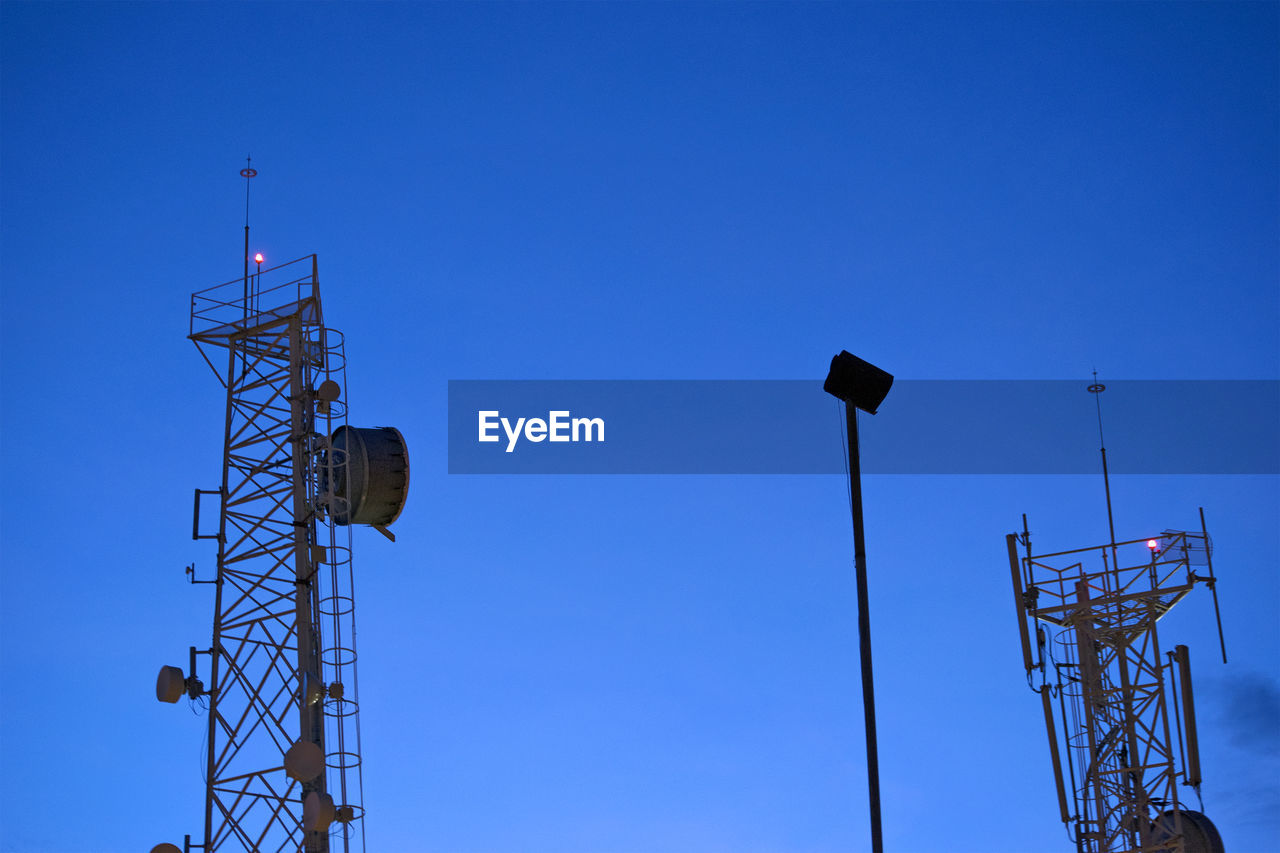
column 631, row 191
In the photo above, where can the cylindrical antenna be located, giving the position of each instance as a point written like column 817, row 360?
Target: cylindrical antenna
column 1053, row 754
column 1019, row 602
column 1177, row 708
column 1183, row 656
column 1096, row 390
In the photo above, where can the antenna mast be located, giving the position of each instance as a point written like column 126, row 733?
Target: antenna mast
column 248, row 172
column 282, row 765
column 1096, row 390
column 1111, row 726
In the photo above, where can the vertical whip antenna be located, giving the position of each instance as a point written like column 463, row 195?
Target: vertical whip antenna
column 1096, row 390
column 247, row 173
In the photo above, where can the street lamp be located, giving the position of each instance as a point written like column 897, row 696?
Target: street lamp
column 861, row 386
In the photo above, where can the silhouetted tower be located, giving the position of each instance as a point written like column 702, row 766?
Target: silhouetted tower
column 283, row 757
column 1108, row 688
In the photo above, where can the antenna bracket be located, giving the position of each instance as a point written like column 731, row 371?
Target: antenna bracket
column 190, row 572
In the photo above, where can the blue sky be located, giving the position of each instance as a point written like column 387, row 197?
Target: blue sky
column 638, row 191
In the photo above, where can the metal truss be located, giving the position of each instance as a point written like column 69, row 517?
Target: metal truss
column 1109, row 680
column 283, row 655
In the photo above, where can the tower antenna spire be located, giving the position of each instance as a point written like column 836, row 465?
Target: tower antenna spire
column 1096, row 390
column 248, row 172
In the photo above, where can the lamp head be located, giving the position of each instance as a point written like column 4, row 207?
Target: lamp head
column 858, row 382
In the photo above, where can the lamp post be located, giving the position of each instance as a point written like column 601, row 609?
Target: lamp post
column 861, row 386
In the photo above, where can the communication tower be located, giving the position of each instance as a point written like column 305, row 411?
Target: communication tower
column 1123, row 707
column 282, row 765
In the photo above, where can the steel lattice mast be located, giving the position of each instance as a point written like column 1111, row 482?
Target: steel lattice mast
column 1109, row 695
column 1111, row 687
column 283, row 757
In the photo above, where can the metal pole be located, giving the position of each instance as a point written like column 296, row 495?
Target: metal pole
column 248, row 172
column 1092, row 696
column 311, row 715
column 1096, row 390
column 864, row 627
column 215, row 649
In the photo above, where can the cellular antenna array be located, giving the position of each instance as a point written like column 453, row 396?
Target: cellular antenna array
column 282, row 764
column 1119, row 713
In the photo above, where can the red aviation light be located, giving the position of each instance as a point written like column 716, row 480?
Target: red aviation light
column 258, row 258
column 1153, row 545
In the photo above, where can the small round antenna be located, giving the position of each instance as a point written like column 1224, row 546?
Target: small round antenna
column 317, row 811
column 304, row 760
column 170, row 684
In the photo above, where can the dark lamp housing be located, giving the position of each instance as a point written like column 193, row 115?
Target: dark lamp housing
column 858, row 382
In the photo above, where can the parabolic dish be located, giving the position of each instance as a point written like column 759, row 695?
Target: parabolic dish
column 317, row 812
column 371, row 475
column 1198, row 832
column 304, row 761
column 170, row 684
